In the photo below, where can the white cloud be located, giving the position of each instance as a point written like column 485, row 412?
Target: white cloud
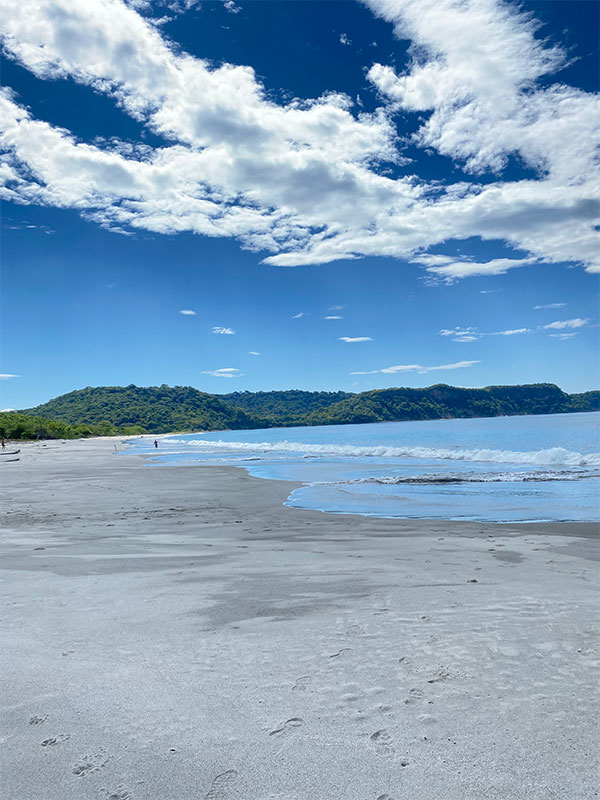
column 344, row 39
column 577, row 322
column 223, row 331
column 224, row 372
column 511, row 332
column 462, row 334
column 473, row 335
column 562, row 335
column 417, row 368
column 448, row 269
column 550, row 305
column 333, row 316
column 232, row 7
column 488, row 291
column 336, row 308
column 6, row 376
column 304, row 181
column 355, row 339
column 253, row 353
column 5, row 410
column 187, row 312
column 298, row 316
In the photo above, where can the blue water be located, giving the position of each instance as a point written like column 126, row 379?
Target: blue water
column 503, row 469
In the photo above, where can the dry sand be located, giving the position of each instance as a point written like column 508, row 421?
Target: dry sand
column 178, row 634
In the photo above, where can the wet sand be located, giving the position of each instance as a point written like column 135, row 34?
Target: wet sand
column 176, row 633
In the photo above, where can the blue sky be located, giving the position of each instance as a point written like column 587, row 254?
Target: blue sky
column 346, row 196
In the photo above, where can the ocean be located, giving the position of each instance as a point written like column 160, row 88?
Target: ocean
column 501, row 469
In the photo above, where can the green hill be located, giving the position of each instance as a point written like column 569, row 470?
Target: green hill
column 158, row 409
column 286, row 407
column 441, row 401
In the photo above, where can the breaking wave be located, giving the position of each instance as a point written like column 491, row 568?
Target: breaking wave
column 472, row 477
column 551, row 456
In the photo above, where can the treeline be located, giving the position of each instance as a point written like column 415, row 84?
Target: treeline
column 160, row 409
column 14, row 425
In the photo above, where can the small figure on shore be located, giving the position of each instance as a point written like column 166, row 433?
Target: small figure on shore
column 156, row 443
column 3, row 443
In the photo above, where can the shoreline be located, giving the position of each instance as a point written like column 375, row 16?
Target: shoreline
column 180, row 633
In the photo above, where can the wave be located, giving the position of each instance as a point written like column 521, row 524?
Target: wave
column 549, row 457
column 492, row 477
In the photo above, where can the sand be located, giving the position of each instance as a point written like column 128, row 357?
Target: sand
column 176, row 633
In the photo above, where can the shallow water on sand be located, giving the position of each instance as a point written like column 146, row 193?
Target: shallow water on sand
column 503, row 469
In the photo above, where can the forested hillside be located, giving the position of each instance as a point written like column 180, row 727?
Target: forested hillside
column 284, row 408
column 157, row 409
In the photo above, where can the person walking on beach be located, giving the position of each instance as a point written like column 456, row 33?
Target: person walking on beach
column 156, row 443
column 3, row 443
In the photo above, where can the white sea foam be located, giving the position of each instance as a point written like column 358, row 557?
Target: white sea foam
column 483, row 477
column 549, row 457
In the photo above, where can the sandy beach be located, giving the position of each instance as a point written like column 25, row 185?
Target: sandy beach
column 176, row 633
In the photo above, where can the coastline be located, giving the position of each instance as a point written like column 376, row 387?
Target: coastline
column 178, row 632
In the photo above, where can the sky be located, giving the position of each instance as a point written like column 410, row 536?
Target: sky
column 271, row 194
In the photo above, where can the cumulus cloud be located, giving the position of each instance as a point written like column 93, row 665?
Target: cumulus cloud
column 344, row 39
column 305, row 182
column 6, row 376
column 577, row 322
column 187, row 312
column 417, row 368
column 353, row 339
column 224, row 372
column 223, row 331
column 550, row 305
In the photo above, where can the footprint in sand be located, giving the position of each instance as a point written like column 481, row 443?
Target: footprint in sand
column 301, row 684
column 414, row 695
column 120, row 793
column 288, row 725
column 90, row 764
column 55, row 740
column 382, row 742
column 36, row 720
column 219, row 785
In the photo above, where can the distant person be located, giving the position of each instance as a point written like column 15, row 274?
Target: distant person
column 3, row 443
column 155, row 443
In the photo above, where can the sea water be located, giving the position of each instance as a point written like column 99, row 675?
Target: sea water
column 501, row 469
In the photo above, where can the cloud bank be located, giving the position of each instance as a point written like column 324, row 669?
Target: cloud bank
column 306, row 182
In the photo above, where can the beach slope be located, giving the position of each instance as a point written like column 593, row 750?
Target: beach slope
column 176, row 633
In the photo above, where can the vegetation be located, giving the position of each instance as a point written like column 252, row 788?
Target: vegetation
column 286, row 408
column 14, row 425
column 157, row 409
